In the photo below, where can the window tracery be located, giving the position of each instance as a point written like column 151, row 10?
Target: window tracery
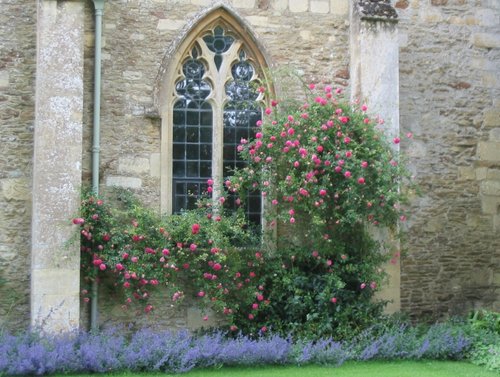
column 215, row 103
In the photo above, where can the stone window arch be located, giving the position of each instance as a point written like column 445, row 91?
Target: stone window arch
column 209, row 101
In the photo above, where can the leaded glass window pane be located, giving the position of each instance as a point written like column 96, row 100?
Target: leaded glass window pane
column 186, row 193
column 192, row 135
column 241, row 114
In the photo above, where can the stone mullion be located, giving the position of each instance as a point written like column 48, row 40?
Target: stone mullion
column 215, row 102
column 218, row 100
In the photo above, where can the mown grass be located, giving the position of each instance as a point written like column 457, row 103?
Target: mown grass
column 349, row 369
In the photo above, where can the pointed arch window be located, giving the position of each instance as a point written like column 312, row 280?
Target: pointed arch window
column 214, row 103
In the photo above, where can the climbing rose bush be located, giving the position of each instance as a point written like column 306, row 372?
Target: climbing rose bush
column 325, row 164
column 331, row 181
column 205, row 254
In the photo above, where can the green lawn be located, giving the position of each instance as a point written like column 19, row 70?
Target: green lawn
column 350, row 369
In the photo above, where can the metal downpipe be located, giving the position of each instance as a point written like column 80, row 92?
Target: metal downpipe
column 99, row 8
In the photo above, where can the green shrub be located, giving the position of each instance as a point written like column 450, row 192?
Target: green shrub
column 330, row 179
column 485, row 332
column 485, row 320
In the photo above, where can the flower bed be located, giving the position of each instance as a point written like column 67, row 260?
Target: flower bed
column 149, row 350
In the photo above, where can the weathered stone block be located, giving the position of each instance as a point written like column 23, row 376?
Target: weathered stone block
column 431, row 15
column 434, row 225
column 132, row 75
column 496, row 223
column 4, row 78
column 486, row 40
column 487, row 18
column 390, row 291
column 305, row 35
column 89, row 40
column 155, row 165
column 488, row 151
column 297, row 6
column 339, row 7
column 491, row 4
column 401, row 4
column 479, row 277
column 460, row 85
column 492, row 118
column 495, row 134
column 490, row 188
column 15, row 189
column 137, row 36
column 496, row 279
column 489, row 79
column 201, row 2
column 126, row 182
column 18, row 35
column 481, row 173
column 493, row 174
column 467, row 20
column 56, row 313
column 132, row 164
column 466, row 173
column 258, row 20
column 244, row 3
column 403, row 39
column 483, row 64
column 279, row 4
column 56, row 281
column 168, row 24
column 472, row 221
column 318, row 6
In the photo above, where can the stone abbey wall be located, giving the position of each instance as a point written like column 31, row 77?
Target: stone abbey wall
column 17, row 101
column 449, row 100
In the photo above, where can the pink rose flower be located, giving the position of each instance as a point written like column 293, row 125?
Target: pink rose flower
column 195, row 228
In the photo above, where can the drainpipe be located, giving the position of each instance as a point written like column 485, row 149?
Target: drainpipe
column 99, row 7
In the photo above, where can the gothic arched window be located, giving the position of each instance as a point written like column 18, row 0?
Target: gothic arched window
column 214, row 102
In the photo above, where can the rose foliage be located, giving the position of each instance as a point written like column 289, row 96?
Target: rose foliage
column 203, row 253
column 331, row 182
